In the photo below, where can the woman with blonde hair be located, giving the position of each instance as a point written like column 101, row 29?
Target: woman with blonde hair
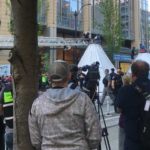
column 126, row 79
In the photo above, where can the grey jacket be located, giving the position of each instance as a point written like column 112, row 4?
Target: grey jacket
column 64, row 119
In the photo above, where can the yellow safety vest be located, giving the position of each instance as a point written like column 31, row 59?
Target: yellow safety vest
column 8, row 98
column 43, row 79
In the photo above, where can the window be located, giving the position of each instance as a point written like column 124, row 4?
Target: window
column 42, row 9
column 65, row 12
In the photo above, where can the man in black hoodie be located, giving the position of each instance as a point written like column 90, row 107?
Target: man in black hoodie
column 131, row 104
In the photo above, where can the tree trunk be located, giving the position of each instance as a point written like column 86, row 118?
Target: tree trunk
column 24, row 58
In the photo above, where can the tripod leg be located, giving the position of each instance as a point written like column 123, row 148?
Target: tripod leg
column 99, row 147
column 105, row 133
column 105, row 143
column 108, row 144
column 106, row 140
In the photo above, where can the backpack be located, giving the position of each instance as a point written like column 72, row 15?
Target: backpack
column 145, row 136
column 118, row 81
column 105, row 81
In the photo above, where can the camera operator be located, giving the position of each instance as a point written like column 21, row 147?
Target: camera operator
column 91, row 79
column 73, row 82
column 81, row 77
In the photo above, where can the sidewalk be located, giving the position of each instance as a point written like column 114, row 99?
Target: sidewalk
column 112, row 137
column 110, row 117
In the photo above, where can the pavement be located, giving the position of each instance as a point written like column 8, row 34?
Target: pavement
column 107, row 113
column 110, row 118
column 112, row 138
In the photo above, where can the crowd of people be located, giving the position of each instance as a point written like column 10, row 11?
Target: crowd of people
column 68, row 119
column 125, row 91
column 127, row 94
column 112, row 83
column 6, row 113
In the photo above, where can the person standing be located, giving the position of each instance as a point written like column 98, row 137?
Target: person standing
column 107, row 88
column 2, row 126
column 131, row 104
column 116, row 85
column 43, row 82
column 63, row 118
column 126, row 79
column 6, row 107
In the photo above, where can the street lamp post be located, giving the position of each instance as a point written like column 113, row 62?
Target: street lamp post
column 93, row 15
column 76, row 20
column 76, row 13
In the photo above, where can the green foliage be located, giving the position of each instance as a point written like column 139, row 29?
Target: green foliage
column 11, row 23
column 45, row 62
column 11, row 26
column 39, row 5
column 111, row 26
column 9, row 12
column 40, row 29
column 8, row 4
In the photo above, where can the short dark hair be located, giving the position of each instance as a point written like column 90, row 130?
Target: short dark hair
column 140, row 69
column 112, row 69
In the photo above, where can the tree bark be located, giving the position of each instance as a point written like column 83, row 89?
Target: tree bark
column 24, row 61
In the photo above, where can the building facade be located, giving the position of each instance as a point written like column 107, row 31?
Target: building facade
column 72, row 18
column 149, row 29
column 134, row 17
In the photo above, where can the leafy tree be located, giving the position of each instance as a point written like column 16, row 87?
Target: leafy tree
column 111, row 27
column 24, row 62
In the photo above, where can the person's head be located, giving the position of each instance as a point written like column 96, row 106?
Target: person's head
column 126, row 79
column 59, row 72
column 118, row 71
column 73, row 72
column 112, row 70
column 73, row 68
column 106, row 71
column 140, row 69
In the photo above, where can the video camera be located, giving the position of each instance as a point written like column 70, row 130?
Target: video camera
column 91, row 78
column 73, row 79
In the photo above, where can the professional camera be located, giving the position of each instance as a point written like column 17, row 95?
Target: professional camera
column 74, row 80
column 91, row 79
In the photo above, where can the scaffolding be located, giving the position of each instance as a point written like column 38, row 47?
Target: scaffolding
column 7, row 42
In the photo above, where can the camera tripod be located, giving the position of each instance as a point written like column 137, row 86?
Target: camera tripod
column 99, row 110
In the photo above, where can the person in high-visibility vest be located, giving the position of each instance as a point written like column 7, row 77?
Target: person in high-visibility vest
column 2, row 126
column 43, row 83
column 6, row 107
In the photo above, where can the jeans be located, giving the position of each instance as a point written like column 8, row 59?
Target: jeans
column 9, row 141
column 107, row 91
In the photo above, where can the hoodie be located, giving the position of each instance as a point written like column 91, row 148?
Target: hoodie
column 64, row 119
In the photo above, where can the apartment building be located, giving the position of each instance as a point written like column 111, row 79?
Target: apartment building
column 149, row 28
column 134, row 17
